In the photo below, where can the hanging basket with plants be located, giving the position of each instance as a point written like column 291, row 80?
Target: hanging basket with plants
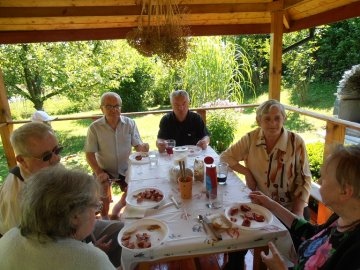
column 160, row 31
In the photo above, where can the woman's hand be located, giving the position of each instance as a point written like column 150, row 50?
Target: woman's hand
column 273, row 260
column 102, row 244
column 260, row 198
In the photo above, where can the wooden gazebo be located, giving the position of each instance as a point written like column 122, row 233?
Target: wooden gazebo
column 24, row 21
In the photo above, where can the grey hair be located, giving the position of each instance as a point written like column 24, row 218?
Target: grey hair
column 264, row 108
column 51, row 197
column 108, row 94
column 21, row 137
column 348, row 169
column 179, row 93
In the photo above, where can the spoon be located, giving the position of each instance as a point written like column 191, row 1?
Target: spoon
column 201, row 220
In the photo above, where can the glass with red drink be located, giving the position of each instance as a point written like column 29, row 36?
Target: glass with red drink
column 169, row 145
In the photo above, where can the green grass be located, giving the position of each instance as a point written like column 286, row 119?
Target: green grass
column 72, row 133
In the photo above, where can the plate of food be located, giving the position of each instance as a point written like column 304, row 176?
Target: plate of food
column 145, row 198
column 193, row 150
column 139, row 157
column 248, row 216
column 143, row 234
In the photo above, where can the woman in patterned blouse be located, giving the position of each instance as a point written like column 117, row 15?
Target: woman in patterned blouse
column 335, row 244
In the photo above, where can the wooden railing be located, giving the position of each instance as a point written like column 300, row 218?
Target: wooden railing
column 335, row 134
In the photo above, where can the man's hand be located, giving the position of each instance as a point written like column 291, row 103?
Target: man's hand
column 144, row 147
column 102, row 244
column 203, row 143
column 273, row 260
column 160, row 144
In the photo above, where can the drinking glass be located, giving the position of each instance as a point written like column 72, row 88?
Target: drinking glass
column 169, row 145
column 222, row 172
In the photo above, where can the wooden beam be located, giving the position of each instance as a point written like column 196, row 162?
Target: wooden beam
column 338, row 14
column 276, row 54
column 335, row 135
column 13, row 37
column 6, row 130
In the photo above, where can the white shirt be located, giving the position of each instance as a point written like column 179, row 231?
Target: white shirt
column 18, row 252
column 112, row 147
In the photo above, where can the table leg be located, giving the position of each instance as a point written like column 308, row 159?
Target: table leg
column 257, row 262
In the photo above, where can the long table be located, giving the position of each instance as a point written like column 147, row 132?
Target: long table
column 186, row 237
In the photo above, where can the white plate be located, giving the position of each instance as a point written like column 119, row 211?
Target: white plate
column 193, row 150
column 144, row 157
column 145, row 204
column 158, row 234
column 258, row 209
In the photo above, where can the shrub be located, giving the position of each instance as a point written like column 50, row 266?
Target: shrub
column 316, row 155
column 222, row 127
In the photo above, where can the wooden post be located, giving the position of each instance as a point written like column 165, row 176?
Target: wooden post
column 335, row 135
column 275, row 54
column 5, row 130
column 202, row 113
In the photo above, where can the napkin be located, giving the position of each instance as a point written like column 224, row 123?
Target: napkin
column 133, row 212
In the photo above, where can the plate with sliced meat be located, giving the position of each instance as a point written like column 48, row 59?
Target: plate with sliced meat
column 193, row 150
column 143, row 234
column 145, row 198
column 139, row 157
column 248, row 216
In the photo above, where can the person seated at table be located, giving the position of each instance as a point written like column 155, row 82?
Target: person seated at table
column 58, row 210
column 108, row 146
column 182, row 125
column 335, row 244
column 36, row 147
column 275, row 162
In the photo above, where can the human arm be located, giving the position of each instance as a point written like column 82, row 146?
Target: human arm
column 204, row 142
column 236, row 153
column 273, row 259
column 277, row 209
column 100, row 174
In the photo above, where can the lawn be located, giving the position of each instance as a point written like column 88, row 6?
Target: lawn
column 72, row 133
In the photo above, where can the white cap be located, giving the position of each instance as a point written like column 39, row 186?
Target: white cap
column 41, row 116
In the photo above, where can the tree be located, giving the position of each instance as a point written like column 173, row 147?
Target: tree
column 77, row 70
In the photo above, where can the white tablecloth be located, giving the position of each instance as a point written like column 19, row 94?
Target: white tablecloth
column 186, row 235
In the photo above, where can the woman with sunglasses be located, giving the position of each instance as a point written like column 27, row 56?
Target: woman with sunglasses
column 58, row 210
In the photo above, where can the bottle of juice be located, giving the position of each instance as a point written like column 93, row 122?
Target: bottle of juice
column 210, row 178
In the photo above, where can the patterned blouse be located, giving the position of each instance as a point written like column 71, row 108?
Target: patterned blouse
column 324, row 247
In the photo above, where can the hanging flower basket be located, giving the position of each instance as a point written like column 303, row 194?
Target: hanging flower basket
column 161, row 33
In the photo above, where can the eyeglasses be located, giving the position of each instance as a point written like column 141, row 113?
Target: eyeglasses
column 112, row 107
column 47, row 156
column 97, row 206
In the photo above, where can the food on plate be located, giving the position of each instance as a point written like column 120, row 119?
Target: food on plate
column 142, row 240
column 246, row 213
column 149, row 194
column 220, row 222
column 233, row 211
column 245, row 208
column 246, row 222
column 153, row 227
column 138, row 157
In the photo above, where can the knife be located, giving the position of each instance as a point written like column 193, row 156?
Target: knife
column 212, row 229
column 175, row 202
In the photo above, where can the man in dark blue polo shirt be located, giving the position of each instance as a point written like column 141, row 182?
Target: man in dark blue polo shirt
column 182, row 125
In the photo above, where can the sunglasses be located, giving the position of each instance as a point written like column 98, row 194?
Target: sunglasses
column 112, row 107
column 46, row 157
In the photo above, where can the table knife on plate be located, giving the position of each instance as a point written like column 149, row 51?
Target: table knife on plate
column 212, row 229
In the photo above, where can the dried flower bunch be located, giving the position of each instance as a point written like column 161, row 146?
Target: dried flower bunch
column 161, row 33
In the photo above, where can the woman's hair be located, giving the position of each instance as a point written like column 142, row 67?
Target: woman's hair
column 348, row 166
column 264, row 108
column 179, row 93
column 21, row 137
column 51, row 197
